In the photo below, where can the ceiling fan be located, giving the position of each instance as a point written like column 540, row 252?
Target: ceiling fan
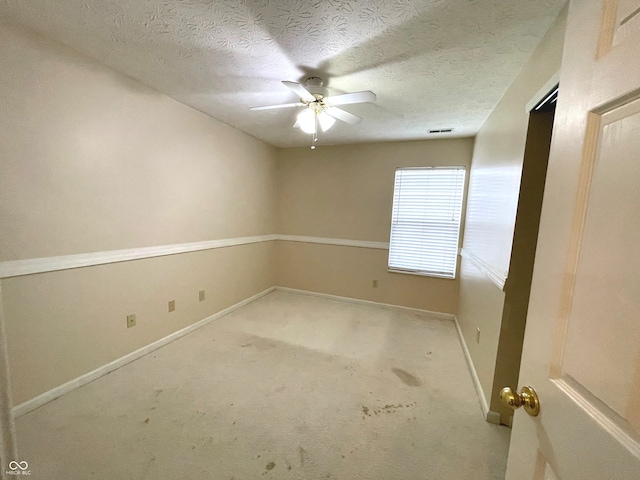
column 319, row 109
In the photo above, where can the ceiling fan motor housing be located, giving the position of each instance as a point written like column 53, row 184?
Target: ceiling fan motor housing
column 316, row 85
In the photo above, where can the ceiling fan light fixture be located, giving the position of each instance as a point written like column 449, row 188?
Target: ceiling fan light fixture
column 307, row 120
column 326, row 121
column 320, row 111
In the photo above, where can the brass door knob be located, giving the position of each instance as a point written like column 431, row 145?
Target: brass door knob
column 527, row 398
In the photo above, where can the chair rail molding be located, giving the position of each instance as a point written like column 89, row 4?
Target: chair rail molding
column 335, row 241
column 16, row 268
column 497, row 277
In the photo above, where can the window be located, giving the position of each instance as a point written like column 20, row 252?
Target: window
column 425, row 222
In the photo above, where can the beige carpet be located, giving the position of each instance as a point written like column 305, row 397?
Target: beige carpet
column 288, row 387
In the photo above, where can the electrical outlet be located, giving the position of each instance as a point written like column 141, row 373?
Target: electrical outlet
column 201, row 295
column 374, row 283
column 131, row 320
column 172, row 305
column 477, row 334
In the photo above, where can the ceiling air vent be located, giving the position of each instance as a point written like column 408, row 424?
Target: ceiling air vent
column 441, row 130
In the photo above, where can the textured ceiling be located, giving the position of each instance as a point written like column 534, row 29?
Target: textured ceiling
column 432, row 63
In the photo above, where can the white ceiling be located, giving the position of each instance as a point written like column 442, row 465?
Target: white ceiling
column 432, row 63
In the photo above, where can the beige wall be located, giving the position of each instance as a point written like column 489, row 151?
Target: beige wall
column 93, row 161
column 492, row 204
column 346, row 192
column 348, row 271
column 61, row 325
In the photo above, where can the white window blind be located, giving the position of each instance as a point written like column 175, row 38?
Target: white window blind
column 425, row 222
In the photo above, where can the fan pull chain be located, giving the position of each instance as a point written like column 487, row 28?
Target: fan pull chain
column 315, row 133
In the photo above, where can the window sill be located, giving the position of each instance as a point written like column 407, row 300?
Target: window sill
column 421, row 274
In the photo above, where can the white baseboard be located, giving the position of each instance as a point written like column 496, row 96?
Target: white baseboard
column 490, row 416
column 493, row 417
column 56, row 392
column 439, row 315
column 474, row 375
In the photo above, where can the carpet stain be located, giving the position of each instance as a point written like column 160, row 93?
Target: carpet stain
column 395, row 407
column 406, row 377
column 261, row 344
column 146, row 421
column 388, row 408
column 303, row 455
column 147, row 466
column 246, row 345
column 270, row 466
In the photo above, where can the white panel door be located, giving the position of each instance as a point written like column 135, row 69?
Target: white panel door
column 582, row 342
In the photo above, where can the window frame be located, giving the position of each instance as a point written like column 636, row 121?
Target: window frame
column 430, row 273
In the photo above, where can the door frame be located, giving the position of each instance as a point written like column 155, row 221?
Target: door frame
column 8, row 446
column 511, row 340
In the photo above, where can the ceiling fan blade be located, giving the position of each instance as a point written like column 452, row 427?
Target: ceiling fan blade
column 356, row 97
column 343, row 115
column 282, row 105
column 299, row 90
